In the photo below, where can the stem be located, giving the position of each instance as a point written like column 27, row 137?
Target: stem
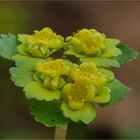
column 60, row 133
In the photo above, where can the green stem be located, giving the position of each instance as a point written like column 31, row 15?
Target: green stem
column 60, row 133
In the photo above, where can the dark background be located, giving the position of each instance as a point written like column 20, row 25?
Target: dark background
column 116, row 19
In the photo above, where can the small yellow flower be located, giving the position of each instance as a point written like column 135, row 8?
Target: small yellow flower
column 77, row 94
column 52, row 67
column 90, row 72
column 88, row 85
column 87, row 41
column 41, row 44
column 50, row 72
column 45, row 37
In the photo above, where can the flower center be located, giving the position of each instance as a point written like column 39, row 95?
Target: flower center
column 50, row 73
column 89, row 72
column 52, row 67
column 91, row 41
column 45, row 35
column 76, row 96
column 43, row 42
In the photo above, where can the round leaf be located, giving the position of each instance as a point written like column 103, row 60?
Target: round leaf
column 35, row 90
column 86, row 114
column 48, row 113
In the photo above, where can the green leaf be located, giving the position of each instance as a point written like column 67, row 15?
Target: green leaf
column 128, row 54
column 21, row 49
column 23, row 73
column 118, row 92
column 101, row 62
column 111, row 50
column 19, row 58
column 22, row 37
column 8, row 45
column 109, row 75
column 48, row 113
column 103, row 95
column 70, row 51
column 35, row 90
column 86, row 114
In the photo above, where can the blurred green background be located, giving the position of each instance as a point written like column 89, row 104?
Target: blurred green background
column 116, row 19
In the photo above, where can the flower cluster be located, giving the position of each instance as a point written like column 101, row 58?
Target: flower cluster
column 92, row 43
column 87, row 42
column 62, row 90
column 41, row 44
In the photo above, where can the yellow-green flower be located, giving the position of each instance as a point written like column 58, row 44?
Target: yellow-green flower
column 88, row 86
column 91, row 43
column 78, row 98
column 53, row 68
column 87, row 42
column 76, row 94
column 92, row 74
column 41, row 44
column 48, row 78
column 50, row 72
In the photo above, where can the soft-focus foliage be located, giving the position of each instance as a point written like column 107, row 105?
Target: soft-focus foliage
column 8, row 44
column 63, row 88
